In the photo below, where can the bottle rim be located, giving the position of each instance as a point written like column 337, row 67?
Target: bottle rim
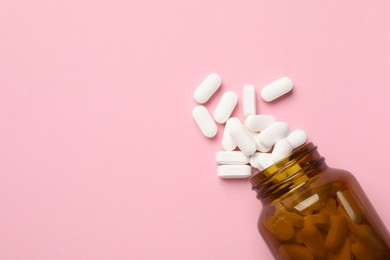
column 284, row 175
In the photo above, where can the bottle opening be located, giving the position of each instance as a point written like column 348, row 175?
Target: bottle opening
column 289, row 173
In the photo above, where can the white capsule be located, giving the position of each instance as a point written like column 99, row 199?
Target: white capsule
column 254, row 160
column 261, row 147
column 261, row 161
column 266, row 161
column 281, row 149
column 273, row 133
column 225, row 107
column 231, row 157
column 227, row 141
column 243, row 139
column 259, row 122
column 234, row 171
column 297, row 138
column 249, row 100
column 276, row 89
column 207, row 88
column 204, row 121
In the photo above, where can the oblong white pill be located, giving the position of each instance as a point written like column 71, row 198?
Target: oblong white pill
column 249, row 100
column 259, row 122
column 273, row 133
column 254, row 160
column 265, row 161
column 227, row 141
column 207, row 88
column 281, row 149
column 225, row 107
column 234, row 171
column 204, row 121
column 261, row 161
column 261, row 147
column 231, row 157
column 297, row 138
column 276, row 89
column 242, row 138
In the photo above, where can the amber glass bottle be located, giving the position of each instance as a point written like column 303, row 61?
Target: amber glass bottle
column 311, row 211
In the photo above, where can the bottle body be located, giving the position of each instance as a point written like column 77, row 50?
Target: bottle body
column 311, row 211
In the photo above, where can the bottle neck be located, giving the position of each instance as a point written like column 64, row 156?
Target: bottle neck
column 289, row 174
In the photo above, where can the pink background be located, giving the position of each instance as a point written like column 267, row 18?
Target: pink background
column 99, row 155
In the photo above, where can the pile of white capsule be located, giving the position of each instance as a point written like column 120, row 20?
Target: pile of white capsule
column 260, row 141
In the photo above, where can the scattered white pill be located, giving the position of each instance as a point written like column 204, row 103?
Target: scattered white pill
column 225, row 107
column 261, row 161
column 281, row 149
column 234, row 171
column 242, row 138
column 254, row 160
column 231, row 157
column 249, row 100
column 261, row 147
column 266, row 161
column 227, row 141
column 276, row 89
column 297, row 138
column 207, row 88
column 204, row 121
column 273, row 133
column 252, row 134
column 259, row 122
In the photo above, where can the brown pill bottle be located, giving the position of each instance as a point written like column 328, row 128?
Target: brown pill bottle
column 311, row 211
